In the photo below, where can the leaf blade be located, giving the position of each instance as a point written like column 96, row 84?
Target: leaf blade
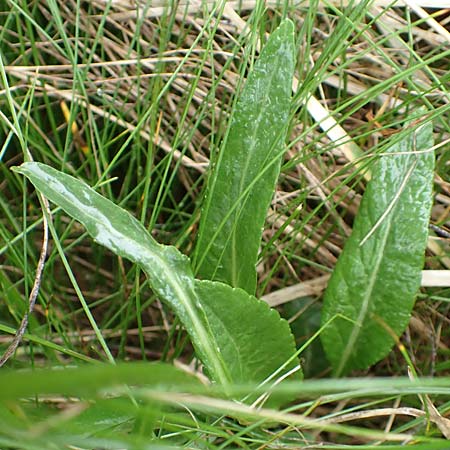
column 247, row 358
column 243, row 179
column 168, row 270
column 378, row 273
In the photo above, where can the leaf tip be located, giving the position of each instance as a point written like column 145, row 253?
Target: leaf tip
column 23, row 168
column 286, row 31
column 288, row 24
column 18, row 169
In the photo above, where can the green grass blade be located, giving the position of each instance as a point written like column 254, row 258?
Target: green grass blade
column 169, row 272
column 243, row 178
column 90, row 379
column 378, row 273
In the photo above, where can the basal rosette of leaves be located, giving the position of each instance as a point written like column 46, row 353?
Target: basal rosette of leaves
column 238, row 338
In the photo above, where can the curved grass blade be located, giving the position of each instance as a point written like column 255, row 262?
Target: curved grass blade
column 372, row 290
column 243, row 179
column 171, row 278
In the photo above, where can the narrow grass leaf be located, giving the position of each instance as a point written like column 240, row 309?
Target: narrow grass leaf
column 372, row 290
column 243, row 178
column 212, row 333
column 90, row 379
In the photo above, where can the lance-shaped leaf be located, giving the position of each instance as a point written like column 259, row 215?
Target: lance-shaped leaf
column 227, row 346
column 243, row 178
column 372, row 289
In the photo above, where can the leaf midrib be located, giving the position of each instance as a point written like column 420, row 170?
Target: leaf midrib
column 206, row 339
column 365, row 306
column 357, row 329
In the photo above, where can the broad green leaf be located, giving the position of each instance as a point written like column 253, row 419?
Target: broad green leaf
column 171, row 278
column 242, row 181
column 264, row 329
column 372, row 290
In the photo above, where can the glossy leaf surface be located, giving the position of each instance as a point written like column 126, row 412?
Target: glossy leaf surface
column 171, row 277
column 378, row 273
column 242, row 180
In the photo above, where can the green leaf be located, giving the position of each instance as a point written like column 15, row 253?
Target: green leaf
column 171, row 278
column 264, row 346
column 168, row 269
column 372, row 290
column 243, row 179
column 91, row 379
